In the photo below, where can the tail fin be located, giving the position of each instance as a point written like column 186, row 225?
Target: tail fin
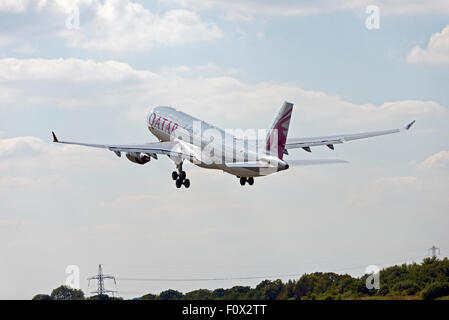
column 277, row 136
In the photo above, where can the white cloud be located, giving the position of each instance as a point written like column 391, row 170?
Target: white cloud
column 13, row 5
column 6, row 40
column 23, row 183
column 439, row 160
column 119, row 25
column 206, row 70
column 244, row 10
column 410, row 7
column 9, row 224
column 127, row 26
column 436, row 52
column 73, row 70
column 26, row 49
column 23, row 146
column 393, row 191
column 33, row 82
column 25, row 159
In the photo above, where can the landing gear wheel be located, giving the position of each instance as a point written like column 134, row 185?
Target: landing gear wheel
column 242, row 181
column 251, row 181
column 182, row 175
column 174, row 175
column 178, row 183
column 186, row 183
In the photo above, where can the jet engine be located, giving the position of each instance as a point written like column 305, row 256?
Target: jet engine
column 138, row 157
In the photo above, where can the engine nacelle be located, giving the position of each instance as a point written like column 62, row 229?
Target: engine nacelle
column 138, row 157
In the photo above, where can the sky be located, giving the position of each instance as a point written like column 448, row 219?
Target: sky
column 231, row 63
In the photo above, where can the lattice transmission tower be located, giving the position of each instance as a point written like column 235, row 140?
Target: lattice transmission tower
column 434, row 250
column 100, row 277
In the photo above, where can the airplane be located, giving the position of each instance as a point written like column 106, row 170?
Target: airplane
column 182, row 137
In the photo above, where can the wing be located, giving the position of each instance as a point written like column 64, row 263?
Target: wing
column 170, row 148
column 329, row 141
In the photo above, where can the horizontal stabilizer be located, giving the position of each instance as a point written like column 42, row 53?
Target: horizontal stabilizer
column 299, row 163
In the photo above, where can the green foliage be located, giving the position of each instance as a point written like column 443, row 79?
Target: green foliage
column 218, row 293
column 237, row 293
column 268, row 290
column 436, row 290
column 287, row 291
column 201, row 294
column 66, row 293
column 149, row 296
column 41, row 297
column 170, row 295
column 407, row 286
column 322, row 285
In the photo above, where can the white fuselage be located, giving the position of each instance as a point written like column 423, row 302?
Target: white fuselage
column 216, row 146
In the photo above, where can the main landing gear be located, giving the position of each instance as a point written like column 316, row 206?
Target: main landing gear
column 244, row 180
column 180, row 178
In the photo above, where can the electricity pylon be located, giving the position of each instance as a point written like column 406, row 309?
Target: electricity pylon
column 434, row 250
column 100, row 280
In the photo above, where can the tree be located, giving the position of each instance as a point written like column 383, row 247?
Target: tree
column 42, row 297
column 237, row 293
column 288, row 291
column 200, row 294
column 272, row 290
column 436, row 290
column 409, row 287
column 218, row 293
column 171, row 295
column 149, row 296
column 429, row 260
column 66, row 293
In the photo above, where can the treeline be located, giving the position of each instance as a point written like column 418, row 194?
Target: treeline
column 428, row 280
column 66, row 293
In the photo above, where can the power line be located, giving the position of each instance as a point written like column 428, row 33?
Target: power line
column 245, row 277
column 206, row 279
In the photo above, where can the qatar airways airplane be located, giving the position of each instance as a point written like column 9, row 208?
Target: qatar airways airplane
column 183, row 137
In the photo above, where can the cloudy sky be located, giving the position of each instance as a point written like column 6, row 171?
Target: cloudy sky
column 231, row 63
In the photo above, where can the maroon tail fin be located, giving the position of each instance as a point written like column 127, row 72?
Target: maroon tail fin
column 277, row 136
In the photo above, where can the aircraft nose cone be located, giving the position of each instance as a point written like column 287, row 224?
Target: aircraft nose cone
column 283, row 165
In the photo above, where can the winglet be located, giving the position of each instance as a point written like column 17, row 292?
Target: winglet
column 55, row 139
column 407, row 127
